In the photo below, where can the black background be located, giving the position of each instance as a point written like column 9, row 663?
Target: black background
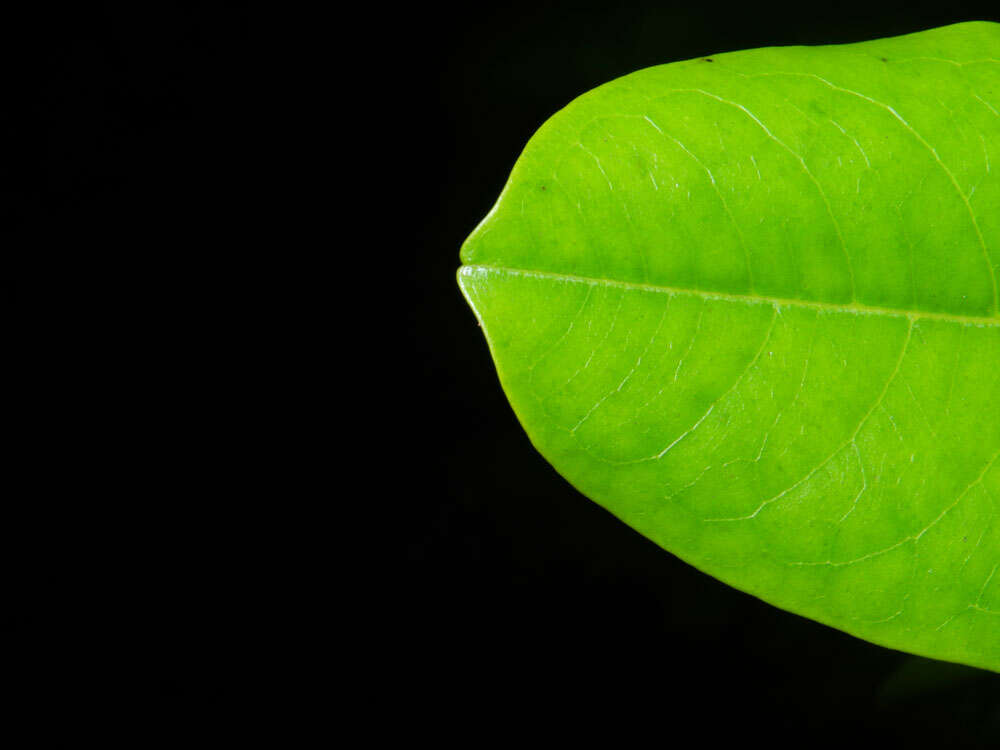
column 158, row 158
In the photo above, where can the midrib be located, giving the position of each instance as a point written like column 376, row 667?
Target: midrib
column 750, row 299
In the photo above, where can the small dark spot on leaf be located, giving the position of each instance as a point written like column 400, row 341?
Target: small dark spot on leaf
column 543, row 187
column 884, row 59
column 709, row 59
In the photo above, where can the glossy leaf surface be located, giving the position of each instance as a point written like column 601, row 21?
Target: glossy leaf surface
column 749, row 304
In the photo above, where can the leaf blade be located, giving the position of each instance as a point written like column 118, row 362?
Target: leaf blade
column 812, row 449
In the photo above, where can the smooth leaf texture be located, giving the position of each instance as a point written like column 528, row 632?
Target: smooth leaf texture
column 749, row 304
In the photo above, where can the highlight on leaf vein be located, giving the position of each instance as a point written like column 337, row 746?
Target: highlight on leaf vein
column 752, row 309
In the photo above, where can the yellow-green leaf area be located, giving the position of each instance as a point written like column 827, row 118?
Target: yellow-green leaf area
column 749, row 304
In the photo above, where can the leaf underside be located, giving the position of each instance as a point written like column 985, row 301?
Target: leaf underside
column 749, row 304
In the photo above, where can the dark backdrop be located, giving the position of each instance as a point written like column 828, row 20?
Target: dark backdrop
column 167, row 178
column 519, row 592
column 132, row 204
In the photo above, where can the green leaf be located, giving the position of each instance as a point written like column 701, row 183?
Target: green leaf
column 749, row 304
